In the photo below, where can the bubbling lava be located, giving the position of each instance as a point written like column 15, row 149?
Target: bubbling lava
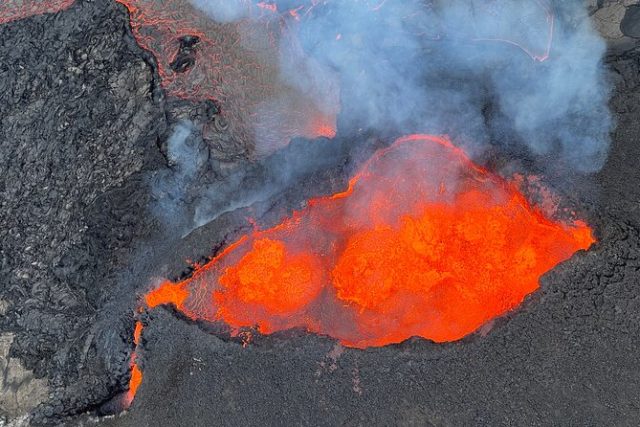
column 422, row 243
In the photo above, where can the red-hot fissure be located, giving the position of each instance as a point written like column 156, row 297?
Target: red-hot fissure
column 136, row 372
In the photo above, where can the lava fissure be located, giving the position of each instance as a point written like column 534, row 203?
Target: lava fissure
column 136, row 372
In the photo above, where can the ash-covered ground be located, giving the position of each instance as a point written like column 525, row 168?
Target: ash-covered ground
column 84, row 126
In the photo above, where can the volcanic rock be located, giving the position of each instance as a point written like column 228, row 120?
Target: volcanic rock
column 630, row 25
column 20, row 391
column 79, row 118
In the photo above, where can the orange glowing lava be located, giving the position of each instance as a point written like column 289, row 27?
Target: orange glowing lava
column 137, row 333
column 136, row 372
column 134, row 383
column 271, row 277
column 422, row 243
column 169, row 293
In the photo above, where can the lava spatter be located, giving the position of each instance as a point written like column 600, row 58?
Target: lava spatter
column 422, row 243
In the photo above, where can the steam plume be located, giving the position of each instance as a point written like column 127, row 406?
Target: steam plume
column 171, row 187
column 414, row 66
column 430, row 66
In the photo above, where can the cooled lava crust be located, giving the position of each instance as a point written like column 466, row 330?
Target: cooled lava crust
column 83, row 124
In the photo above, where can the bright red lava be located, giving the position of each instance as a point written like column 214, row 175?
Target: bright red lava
column 422, row 243
column 136, row 372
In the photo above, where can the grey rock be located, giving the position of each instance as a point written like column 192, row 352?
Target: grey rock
column 20, row 392
column 630, row 25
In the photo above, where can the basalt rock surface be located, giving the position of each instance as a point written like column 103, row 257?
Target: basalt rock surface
column 79, row 123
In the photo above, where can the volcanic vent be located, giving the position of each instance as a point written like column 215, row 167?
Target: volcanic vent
column 321, row 182
column 423, row 242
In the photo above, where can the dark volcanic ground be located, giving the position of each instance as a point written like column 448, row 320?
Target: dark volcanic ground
column 79, row 122
column 83, row 126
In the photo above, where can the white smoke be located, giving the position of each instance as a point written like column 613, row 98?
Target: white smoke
column 171, row 187
column 417, row 66
column 429, row 66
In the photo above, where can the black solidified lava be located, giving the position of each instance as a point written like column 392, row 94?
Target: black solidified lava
column 630, row 25
column 186, row 56
column 83, row 131
column 79, row 120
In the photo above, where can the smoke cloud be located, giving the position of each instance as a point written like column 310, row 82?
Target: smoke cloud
column 432, row 66
column 193, row 190
column 403, row 67
column 224, row 10
column 171, row 188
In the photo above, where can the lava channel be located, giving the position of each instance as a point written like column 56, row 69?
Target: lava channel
column 422, row 243
column 136, row 372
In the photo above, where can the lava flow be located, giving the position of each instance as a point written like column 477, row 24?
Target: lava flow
column 422, row 243
column 136, row 372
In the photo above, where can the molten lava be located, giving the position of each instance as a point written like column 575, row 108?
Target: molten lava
column 422, row 243
column 136, row 373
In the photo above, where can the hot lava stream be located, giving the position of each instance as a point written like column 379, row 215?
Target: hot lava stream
column 422, row 243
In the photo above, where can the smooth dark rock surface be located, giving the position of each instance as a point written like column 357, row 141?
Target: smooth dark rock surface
column 630, row 25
